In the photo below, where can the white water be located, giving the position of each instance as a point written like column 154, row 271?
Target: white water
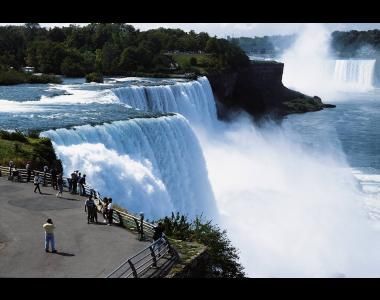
column 310, row 67
column 152, row 165
column 291, row 210
column 193, row 99
column 355, row 72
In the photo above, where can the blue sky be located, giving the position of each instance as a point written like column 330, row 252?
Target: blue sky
column 237, row 29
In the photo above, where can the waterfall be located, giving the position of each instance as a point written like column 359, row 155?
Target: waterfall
column 154, row 165
column 193, row 99
column 355, row 72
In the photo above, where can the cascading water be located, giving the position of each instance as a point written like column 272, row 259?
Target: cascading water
column 309, row 67
column 193, row 99
column 291, row 210
column 356, row 72
column 153, row 165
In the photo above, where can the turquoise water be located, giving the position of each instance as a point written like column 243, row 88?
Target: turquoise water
column 48, row 106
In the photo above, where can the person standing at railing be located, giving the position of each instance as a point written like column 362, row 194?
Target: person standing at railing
column 74, row 177
column 70, row 183
column 60, row 185
column 46, row 169
column 37, row 182
column 11, row 166
column 110, row 211
column 53, row 173
column 28, row 171
column 157, row 235
column 82, row 182
column 104, row 209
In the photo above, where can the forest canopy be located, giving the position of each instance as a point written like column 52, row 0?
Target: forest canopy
column 114, row 49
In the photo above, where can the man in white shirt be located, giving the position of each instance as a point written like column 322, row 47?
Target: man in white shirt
column 110, row 211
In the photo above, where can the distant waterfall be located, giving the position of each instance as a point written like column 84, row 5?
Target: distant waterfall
column 359, row 73
column 193, row 99
column 153, row 165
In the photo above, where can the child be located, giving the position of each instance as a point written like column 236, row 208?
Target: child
column 49, row 235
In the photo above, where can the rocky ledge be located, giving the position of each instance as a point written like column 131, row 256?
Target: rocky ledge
column 258, row 89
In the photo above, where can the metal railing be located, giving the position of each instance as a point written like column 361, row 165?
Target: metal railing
column 128, row 220
column 144, row 263
column 135, row 266
column 21, row 175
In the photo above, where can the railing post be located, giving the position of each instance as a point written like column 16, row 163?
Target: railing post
column 133, row 268
column 142, row 225
column 153, row 255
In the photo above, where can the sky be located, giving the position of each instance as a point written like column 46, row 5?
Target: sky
column 236, row 29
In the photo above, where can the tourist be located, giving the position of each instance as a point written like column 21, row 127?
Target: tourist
column 70, row 182
column 60, row 185
column 74, row 177
column 11, row 166
column 95, row 213
column 46, row 169
column 110, row 211
column 49, row 236
column 28, row 171
column 157, row 235
column 37, row 182
column 53, row 173
column 82, row 182
column 104, row 209
column 89, row 208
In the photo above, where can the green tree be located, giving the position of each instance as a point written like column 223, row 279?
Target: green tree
column 223, row 259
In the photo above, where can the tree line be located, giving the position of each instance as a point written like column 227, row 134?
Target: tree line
column 274, row 45
column 355, row 43
column 108, row 48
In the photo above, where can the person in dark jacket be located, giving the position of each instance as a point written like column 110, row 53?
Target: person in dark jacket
column 82, row 182
column 158, row 234
column 53, row 173
column 89, row 208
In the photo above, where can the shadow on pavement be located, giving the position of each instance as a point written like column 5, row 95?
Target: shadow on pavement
column 64, row 254
column 71, row 199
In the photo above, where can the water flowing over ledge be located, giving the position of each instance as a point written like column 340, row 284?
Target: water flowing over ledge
column 153, row 165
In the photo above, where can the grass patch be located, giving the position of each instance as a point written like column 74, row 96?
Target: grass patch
column 186, row 62
column 20, row 149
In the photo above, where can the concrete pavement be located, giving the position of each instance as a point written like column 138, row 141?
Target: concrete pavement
column 84, row 250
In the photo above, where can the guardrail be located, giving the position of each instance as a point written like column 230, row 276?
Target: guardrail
column 128, row 220
column 144, row 263
column 21, row 175
column 135, row 266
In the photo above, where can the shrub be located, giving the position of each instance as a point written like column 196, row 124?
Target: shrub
column 12, row 77
column 13, row 136
column 44, row 78
column 193, row 61
column 223, row 261
column 94, row 77
column 34, row 134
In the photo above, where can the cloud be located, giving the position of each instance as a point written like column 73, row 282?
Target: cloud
column 235, row 29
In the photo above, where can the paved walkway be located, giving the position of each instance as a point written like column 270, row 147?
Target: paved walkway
column 84, row 250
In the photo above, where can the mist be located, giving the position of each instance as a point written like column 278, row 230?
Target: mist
column 291, row 210
column 311, row 68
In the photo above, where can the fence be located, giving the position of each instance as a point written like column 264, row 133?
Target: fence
column 147, row 261
column 21, row 175
column 137, row 265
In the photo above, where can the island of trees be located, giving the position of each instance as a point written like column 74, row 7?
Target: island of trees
column 111, row 49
